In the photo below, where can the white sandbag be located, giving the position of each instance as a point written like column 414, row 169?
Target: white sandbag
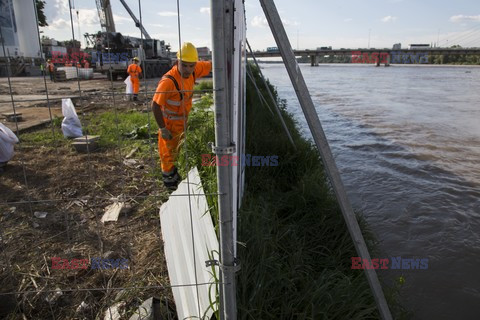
column 7, row 140
column 71, row 126
column 129, row 86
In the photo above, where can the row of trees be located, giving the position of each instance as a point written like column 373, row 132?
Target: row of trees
column 42, row 19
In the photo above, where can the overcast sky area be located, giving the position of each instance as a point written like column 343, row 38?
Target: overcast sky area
column 309, row 23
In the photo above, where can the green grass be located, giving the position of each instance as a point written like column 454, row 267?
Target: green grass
column 204, row 85
column 294, row 246
column 296, row 252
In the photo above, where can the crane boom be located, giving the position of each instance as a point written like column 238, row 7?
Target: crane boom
column 137, row 22
column 106, row 16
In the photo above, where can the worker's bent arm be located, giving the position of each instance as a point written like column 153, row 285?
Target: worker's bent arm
column 157, row 113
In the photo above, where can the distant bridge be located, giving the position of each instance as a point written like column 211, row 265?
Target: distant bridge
column 377, row 55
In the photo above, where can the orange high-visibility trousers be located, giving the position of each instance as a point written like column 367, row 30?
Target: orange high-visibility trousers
column 168, row 149
column 135, row 84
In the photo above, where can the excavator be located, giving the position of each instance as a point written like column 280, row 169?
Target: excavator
column 113, row 52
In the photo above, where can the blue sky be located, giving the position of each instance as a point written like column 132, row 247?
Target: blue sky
column 309, row 23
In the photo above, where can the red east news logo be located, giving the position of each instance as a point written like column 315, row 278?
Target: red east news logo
column 396, row 263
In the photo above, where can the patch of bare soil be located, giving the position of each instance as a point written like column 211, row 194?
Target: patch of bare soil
column 73, row 190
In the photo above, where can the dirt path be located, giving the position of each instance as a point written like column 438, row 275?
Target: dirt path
column 30, row 97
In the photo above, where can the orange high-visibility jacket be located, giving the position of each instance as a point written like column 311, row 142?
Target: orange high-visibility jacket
column 134, row 70
column 175, row 104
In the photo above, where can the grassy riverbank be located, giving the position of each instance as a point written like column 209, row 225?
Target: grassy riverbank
column 295, row 249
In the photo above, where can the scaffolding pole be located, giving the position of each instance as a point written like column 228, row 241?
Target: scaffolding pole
column 222, row 37
column 286, row 51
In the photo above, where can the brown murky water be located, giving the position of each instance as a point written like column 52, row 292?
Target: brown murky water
column 407, row 143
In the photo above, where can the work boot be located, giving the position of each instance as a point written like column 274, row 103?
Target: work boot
column 135, row 98
column 171, row 180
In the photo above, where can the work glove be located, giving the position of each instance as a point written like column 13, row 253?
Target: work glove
column 166, row 134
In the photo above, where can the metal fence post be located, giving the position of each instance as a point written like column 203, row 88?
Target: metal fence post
column 222, row 37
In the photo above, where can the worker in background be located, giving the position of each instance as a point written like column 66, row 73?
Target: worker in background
column 51, row 70
column 42, row 68
column 86, row 65
column 171, row 105
column 134, row 71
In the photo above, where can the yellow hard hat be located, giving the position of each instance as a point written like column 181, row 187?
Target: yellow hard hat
column 188, row 53
column 136, row 59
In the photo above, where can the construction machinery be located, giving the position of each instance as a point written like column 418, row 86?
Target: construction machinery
column 113, row 52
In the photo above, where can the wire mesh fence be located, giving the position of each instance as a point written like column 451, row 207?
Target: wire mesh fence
column 59, row 257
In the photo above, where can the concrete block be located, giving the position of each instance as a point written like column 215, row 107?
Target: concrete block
column 12, row 117
column 86, row 143
column 88, row 139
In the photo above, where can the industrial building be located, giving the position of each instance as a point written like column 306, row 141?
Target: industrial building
column 18, row 37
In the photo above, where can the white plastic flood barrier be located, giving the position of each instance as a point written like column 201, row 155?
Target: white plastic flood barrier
column 181, row 218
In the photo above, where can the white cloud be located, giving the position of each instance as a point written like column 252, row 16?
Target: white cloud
column 55, row 8
column 289, row 23
column 463, row 18
column 167, row 14
column 87, row 17
column 120, row 19
column 58, row 24
column 157, row 25
column 389, row 19
column 262, row 22
column 348, row 19
column 205, row 10
column 259, row 21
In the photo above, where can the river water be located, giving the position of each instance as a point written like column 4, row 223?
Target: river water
column 406, row 140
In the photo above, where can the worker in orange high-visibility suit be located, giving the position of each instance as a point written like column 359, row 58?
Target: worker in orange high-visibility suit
column 51, row 69
column 171, row 105
column 134, row 71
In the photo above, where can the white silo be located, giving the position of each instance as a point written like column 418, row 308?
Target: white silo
column 10, row 44
column 26, row 22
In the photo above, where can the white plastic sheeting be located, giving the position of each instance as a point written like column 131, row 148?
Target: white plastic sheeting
column 239, row 108
column 189, row 241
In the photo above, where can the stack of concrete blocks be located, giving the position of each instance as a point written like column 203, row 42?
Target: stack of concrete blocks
column 71, row 73
column 86, row 144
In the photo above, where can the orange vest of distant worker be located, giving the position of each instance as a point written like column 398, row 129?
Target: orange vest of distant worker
column 176, row 103
column 134, row 71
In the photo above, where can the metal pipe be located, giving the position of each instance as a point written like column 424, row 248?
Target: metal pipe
column 222, row 38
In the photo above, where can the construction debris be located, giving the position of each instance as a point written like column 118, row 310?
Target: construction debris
column 113, row 313
column 113, row 211
column 53, row 297
column 149, row 310
column 40, row 215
